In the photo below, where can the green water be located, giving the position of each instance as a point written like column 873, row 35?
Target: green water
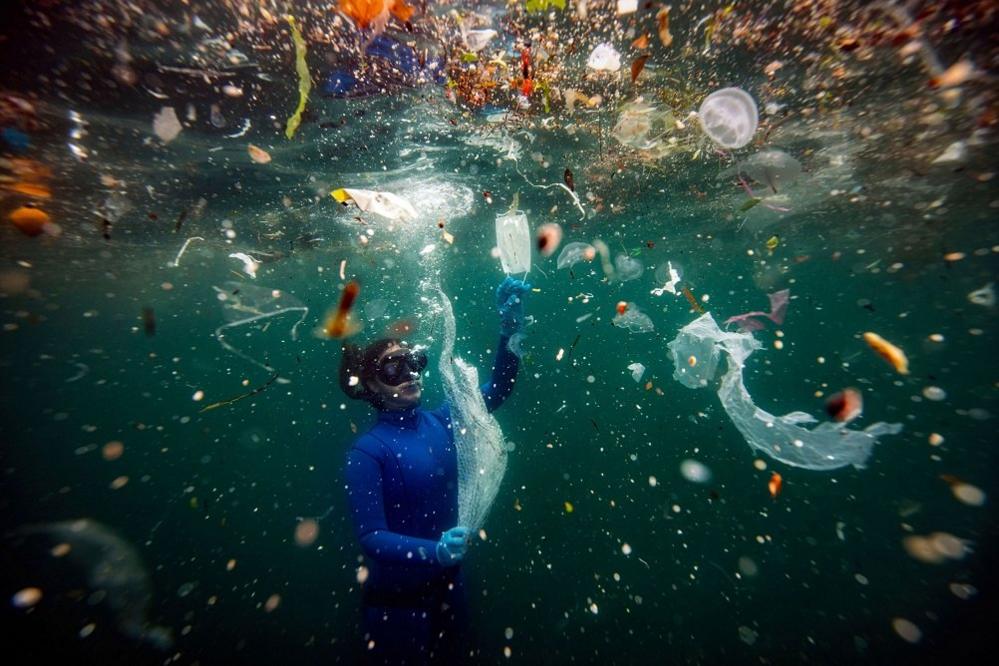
column 597, row 549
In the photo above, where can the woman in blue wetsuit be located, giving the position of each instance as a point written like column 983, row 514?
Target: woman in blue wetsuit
column 402, row 485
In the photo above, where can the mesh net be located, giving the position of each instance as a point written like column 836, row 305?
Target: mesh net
column 482, row 451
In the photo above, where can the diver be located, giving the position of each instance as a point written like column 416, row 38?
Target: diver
column 402, row 487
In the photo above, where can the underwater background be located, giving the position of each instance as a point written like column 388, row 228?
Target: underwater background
column 201, row 475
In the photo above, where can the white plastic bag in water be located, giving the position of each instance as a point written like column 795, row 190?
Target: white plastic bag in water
column 386, row 204
column 697, row 351
column 513, row 237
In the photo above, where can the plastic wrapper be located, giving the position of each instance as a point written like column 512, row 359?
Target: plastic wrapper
column 697, row 351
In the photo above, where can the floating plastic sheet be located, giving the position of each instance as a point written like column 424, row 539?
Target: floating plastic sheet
column 604, row 58
column 478, row 438
column 388, row 205
column 697, row 351
column 252, row 307
column 773, row 168
column 637, row 371
column 729, row 116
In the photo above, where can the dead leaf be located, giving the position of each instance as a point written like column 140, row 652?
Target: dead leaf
column 662, row 19
column 637, row 65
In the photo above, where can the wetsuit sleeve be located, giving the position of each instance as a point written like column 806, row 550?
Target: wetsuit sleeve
column 367, row 510
column 500, row 385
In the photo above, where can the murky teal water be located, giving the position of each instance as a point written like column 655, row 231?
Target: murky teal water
column 597, row 550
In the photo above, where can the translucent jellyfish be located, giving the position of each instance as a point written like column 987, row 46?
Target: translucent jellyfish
column 985, row 296
column 634, row 320
column 99, row 560
column 729, row 117
column 773, row 168
column 641, row 125
column 697, row 351
column 627, row 268
column 573, row 253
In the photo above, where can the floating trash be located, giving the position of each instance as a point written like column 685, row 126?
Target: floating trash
column 604, row 58
column 637, row 371
column 634, row 320
column 695, row 471
column 774, row 169
column 575, row 252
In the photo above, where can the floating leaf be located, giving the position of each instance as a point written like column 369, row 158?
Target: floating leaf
column 752, row 201
column 637, row 65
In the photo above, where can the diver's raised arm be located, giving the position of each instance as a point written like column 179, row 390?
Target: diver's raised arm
column 510, row 295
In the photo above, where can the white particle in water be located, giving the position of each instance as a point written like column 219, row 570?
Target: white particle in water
column 906, row 630
column 934, row 393
column 963, row 590
column 695, row 471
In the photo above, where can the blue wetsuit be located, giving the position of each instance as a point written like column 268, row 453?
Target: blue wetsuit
column 402, row 484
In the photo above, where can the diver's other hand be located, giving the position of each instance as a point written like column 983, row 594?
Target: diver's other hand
column 510, row 296
column 452, row 546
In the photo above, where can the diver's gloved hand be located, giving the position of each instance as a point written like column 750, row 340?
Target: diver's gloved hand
column 510, row 301
column 452, row 546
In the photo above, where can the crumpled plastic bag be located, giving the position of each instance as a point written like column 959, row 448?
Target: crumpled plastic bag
column 386, row 204
column 697, row 350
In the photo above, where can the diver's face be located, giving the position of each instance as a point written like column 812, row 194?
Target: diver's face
column 398, row 379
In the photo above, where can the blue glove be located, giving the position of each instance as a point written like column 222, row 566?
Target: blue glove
column 452, row 546
column 510, row 301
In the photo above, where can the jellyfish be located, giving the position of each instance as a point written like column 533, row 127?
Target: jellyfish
column 634, row 320
column 773, row 168
column 729, row 117
column 627, row 268
column 573, row 253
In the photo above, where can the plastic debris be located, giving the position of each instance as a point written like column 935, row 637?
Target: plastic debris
column 846, row 405
column 634, row 320
column 604, row 58
column 778, row 309
column 985, row 296
column 304, row 80
column 670, row 277
column 166, row 125
column 637, row 371
column 773, row 168
column 626, row 7
column 826, row 446
column 29, row 221
column 476, row 40
column 729, row 117
column 573, row 253
column 889, row 352
column 386, row 204
column 513, row 237
column 250, row 306
column 250, row 265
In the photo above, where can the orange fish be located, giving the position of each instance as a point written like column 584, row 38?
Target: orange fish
column 338, row 323
column 888, row 352
column 776, row 483
column 368, row 12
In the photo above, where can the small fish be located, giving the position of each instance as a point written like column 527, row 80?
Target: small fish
column 889, row 352
column 775, row 484
column 569, row 182
column 338, row 323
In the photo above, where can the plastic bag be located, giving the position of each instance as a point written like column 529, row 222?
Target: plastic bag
column 696, row 352
column 386, row 204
